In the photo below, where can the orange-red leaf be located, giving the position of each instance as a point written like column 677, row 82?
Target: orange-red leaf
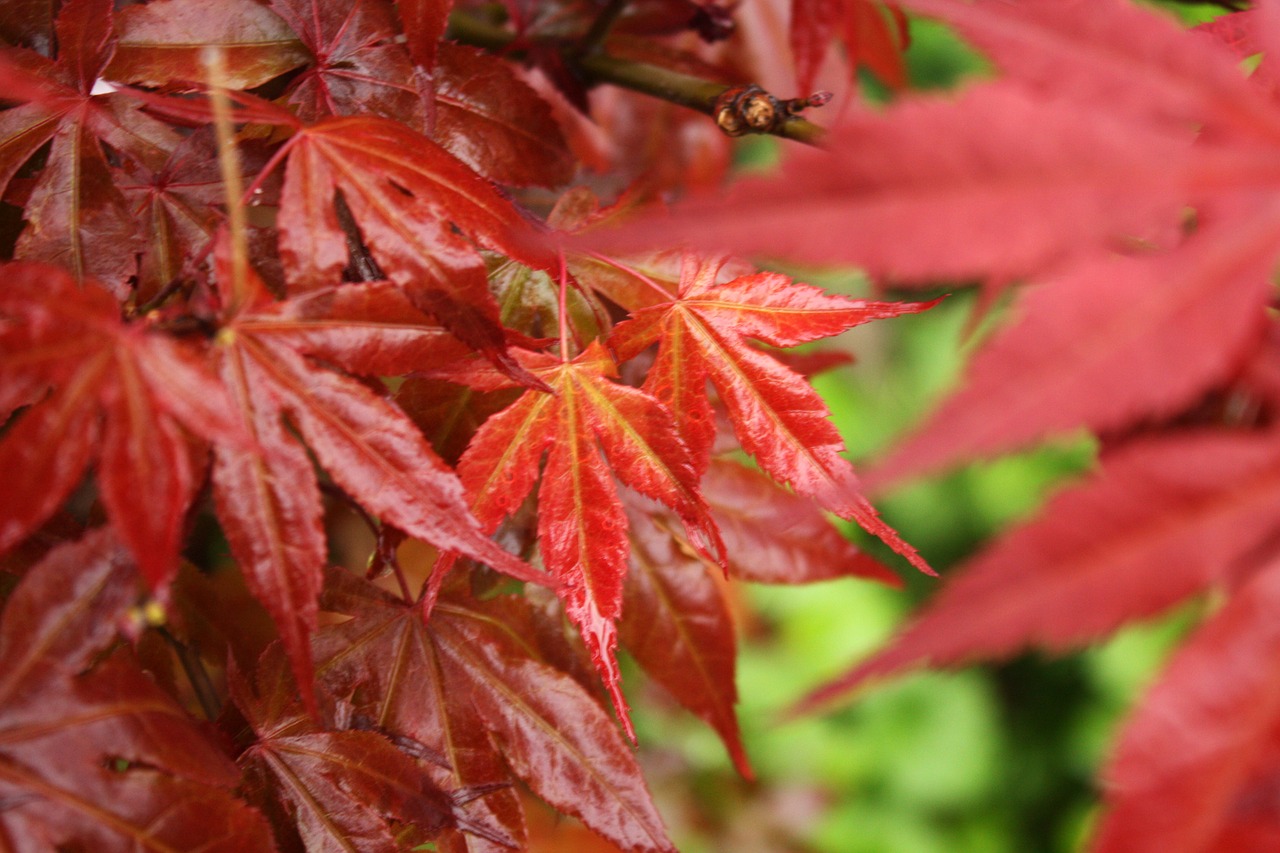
column 776, row 414
column 581, row 524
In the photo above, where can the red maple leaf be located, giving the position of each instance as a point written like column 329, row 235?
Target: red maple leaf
column 356, row 64
column 1136, row 323
column 413, row 201
column 94, row 754
column 471, row 685
column 342, row 788
column 581, row 523
column 270, row 357
column 125, row 396
column 495, row 123
column 76, row 215
column 776, row 414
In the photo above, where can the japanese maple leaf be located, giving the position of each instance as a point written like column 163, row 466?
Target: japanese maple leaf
column 270, row 358
column 94, row 755
column 122, row 395
column 1164, row 518
column 872, row 35
column 177, row 208
column 162, row 43
column 343, row 789
column 581, row 523
column 776, row 415
column 357, row 67
column 412, row 201
column 494, row 122
column 470, row 685
column 76, row 215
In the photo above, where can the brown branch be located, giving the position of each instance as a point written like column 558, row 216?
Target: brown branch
column 598, row 67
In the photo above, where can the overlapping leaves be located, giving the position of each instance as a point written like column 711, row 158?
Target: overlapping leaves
column 190, row 390
column 101, row 390
column 76, row 215
column 581, row 523
column 92, row 752
column 472, row 686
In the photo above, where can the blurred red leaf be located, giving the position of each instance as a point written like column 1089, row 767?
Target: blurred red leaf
column 873, row 35
column 162, row 43
column 1180, row 775
column 1164, row 518
column 1097, row 347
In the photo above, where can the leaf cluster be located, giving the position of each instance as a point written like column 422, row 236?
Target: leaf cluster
column 276, row 268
